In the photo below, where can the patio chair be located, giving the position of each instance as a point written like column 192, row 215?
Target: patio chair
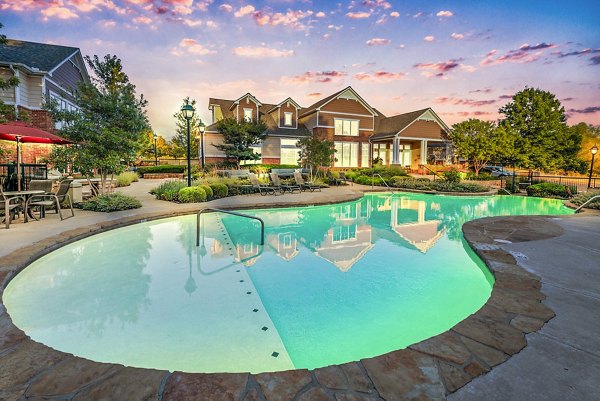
column 261, row 188
column 343, row 178
column 281, row 186
column 11, row 206
column 304, row 185
column 41, row 185
column 52, row 200
column 332, row 179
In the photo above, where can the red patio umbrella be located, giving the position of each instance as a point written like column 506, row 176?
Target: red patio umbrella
column 21, row 132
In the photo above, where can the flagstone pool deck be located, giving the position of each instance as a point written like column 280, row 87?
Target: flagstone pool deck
column 535, row 338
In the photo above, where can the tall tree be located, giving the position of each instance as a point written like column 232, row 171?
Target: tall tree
column 590, row 136
column 544, row 138
column 109, row 126
column 477, row 141
column 315, row 153
column 240, row 137
column 179, row 140
column 6, row 112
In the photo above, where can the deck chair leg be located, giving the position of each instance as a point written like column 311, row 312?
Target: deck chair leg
column 70, row 206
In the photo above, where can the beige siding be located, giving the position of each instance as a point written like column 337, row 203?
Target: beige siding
column 423, row 129
column 271, row 147
column 209, row 141
column 7, row 95
column 34, row 92
column 309, row 121
column 327, row 120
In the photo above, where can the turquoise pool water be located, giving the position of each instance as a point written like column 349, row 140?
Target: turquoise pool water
column 332, row 284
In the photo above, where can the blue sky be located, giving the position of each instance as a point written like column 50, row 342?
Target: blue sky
column 463, row 59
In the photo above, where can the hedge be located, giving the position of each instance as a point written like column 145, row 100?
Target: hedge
column 113, row 202
column 549, row 190
column 208, row 190
column 191, row 194
column 219, row 190
column 168, row 190
column 162, row 168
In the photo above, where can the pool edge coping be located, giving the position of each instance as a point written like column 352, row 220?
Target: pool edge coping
column 471, row 348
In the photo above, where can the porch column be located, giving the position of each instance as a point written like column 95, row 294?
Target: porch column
column 395, row 152
column 424, row 151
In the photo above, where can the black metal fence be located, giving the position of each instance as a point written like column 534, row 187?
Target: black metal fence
column 577, row 184
column 8, row 175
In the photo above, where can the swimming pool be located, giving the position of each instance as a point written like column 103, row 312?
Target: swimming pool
column 332, row 284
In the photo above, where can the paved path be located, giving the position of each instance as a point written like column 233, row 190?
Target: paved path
column 562, row 360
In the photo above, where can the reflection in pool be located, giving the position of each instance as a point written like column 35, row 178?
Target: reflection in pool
column 332, row 284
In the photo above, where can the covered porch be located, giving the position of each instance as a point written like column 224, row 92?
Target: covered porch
column 412, row 153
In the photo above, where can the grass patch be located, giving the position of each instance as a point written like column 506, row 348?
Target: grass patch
column 113, row 202
column 125, row 179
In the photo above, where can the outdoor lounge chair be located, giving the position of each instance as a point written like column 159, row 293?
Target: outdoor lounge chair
column 261, row 188
column 343, row 178
column 52, row 200
column 304, row 185
column 11, row 206
column 332, row 180
column 281, row 186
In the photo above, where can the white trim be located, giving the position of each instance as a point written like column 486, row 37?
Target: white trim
column 421, row 139
column 17, row 75
column 255, row 100
column 360, row 99
column 44, row 87
column 64, row 61
column 347, row 114
column 59, row 86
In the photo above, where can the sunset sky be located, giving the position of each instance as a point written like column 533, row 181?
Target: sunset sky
column 463, row 59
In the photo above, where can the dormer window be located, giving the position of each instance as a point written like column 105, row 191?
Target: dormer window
column 287, row 119
column 248, row 115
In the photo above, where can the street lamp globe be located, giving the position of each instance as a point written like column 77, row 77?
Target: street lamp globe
column 188, row 111
column 594, row 149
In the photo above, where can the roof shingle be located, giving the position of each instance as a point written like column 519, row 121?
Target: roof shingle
column 41, row 56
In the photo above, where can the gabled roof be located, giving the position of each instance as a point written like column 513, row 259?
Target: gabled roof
column 389, row 127
column 311, row 109
column 255, row 100
column 289, row 99
column 36, row 56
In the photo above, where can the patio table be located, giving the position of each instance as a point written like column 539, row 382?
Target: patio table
column 26, row 195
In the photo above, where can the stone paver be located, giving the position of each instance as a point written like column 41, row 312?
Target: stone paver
column 428, row 370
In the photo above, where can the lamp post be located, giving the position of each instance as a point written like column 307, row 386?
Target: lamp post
column 155, row 154
column 188, row 113
column 203, row 157
column 594, row 150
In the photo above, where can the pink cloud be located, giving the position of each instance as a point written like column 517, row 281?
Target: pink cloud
column 445, row 14
column 378, row 42
column 379, row 76
column 524, row 54
column 194, row 47
column 142, row 20
column 377, row 3
column 394, row 14
column 358, row 15
column 464, row 102
column 245, row 10
column 429, row 38
column 315, row 94
column 226, row 7
column 261, row 51
column 457, row 36
column 320, row 14
column 290, row 18
column 58, row 12
column 317, row 77
column 438, row 69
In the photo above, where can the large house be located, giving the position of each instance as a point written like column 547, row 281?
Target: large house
column 359, row 132
column 44, row 71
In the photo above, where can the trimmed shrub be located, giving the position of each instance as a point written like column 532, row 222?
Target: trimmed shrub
column 483, row 176
column 219, row 190
column 386, row 172
column 162, row 168
column 260, row 168
column 125, row 179
column 581, row 198
column 168, row 190
column 549, row 190
column 452, row 176
column 423, row 184
column 113, row 202
column 208, row 190
column 191, row 194
column 445, row 186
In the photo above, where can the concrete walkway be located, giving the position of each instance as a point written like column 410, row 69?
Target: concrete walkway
column 562, row 360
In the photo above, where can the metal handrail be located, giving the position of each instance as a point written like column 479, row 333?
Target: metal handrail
column 210, row 209
column 435, row 173
column 382, row 179
column 586, row 202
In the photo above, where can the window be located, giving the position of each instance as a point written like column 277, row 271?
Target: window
column 248, row 115
column 347, row 154
column 365, row 155
column 62, row 105
column 287, row 119
column 288, row 151
column 346, row 127
column 344, row 233
column 380, row 151
column 256, row 149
